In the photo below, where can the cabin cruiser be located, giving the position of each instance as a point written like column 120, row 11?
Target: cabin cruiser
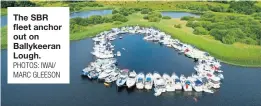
column 148, row 81
column 214, row 82
column 159, row 84
column 186, row 83
column 197, row 84
column 140, row 81
column 122, row 77
column 170, row 85
column 131, row 79
column 112, row 77
column 105, row 74
column 177, row 85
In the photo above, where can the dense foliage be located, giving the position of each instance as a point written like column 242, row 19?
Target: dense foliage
column 166, row 17
column 200, row 31
column 228, row 28
column 92, row 20
column 187, row 18
column 153, row 17
column 5, row 4
column 125, row 11
column 245, row 7
column 119, row 17
column 146, row 10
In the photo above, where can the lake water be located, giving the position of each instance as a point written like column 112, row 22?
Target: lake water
column 82, row 14
column 241, row 86
column 3, row 21
column 174, row 14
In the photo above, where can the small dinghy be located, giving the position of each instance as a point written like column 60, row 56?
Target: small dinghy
column 118, row 53
column 148, row 81
column 170, row 85
column 131, row 79
column 140, row 81
column 122, row 78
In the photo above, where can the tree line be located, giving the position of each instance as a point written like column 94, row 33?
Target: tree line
column 5, row 4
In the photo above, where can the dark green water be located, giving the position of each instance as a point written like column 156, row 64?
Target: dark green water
column 241, row 87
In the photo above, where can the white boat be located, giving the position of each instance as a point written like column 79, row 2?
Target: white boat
column 112, row 77
column 140, row 81
column 104, row 74
column 118, row 53
column 178, row 85
column 197, row 83
column 170, row 85
column 186, row 84
column 148, row 81
column 122, row 77
column 215, row 82
column 131, row 79
column 159, row 83
column 207, row 89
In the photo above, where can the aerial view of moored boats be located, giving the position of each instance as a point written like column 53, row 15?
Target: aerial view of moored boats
column 207, row 67
column 158, row 53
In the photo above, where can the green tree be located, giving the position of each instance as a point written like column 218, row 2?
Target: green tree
column 200, row 31
column 119, row 17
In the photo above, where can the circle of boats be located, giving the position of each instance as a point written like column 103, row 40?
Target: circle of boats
column 208, row 75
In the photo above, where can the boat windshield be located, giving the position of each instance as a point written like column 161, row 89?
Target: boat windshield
column 187, row 82
column 215, row 82
column 198, row 83
column 177, row 80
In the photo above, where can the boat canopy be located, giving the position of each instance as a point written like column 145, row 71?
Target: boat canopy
column 140, row 79
column 148, row 79
column 198, row 83
column 187, row 82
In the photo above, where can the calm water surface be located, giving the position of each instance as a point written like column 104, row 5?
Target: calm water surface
column 241, row 87
column 84, row 14
column 175, row 14
column 3, row 21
